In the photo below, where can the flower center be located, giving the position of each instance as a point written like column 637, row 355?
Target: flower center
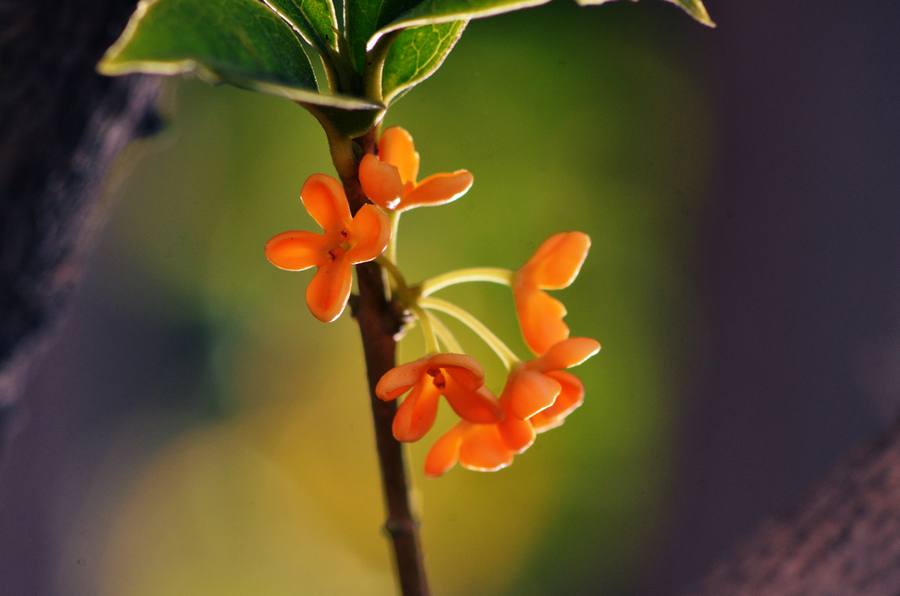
column 439, row 381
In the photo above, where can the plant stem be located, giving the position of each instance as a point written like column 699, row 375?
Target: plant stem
column 398, row 282
column 507, row 356
column 491, row 274
column 445, row 335
column 391, row 252
column 379, row 322
column 432, row 347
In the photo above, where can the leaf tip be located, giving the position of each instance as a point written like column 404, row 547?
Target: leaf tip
column 696, row 9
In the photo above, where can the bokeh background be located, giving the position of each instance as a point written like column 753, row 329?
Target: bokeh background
column 195, row 431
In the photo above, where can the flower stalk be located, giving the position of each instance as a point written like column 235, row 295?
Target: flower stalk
column 428, row 330
column 503, row 352
column 495, row 275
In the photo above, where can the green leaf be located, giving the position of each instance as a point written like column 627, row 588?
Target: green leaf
column 219, row 40
column 443, row 11
column 431, row 12
column 340, row 102
column 694, row 8
column 241, row 42
column 415, row 55
column 314, row 20
column 363, row 18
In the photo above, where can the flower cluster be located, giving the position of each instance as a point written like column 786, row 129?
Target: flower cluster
column 538, row 394
column 389, row 179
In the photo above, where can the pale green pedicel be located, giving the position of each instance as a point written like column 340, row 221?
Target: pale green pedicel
column 507, row 356
column 495, row 275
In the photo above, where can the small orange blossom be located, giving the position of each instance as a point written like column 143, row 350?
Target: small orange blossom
column 457, row 377
column 481, row 447
column 478, row 447
column 347, row 241
column 554, row 266
column 534, row 385
column 389, row 179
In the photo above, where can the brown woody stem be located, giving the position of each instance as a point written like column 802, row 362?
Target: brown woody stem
column 379, row 322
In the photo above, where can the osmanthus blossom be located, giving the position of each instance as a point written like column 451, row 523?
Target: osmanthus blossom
column 533, row 386
column 553, row 266
column 458, row 377
column 537, row 397
column 389, row 179
column 478, row 447
column 570, row 397
column 346, row 241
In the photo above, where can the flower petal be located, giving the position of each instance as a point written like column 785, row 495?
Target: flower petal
column 478, row 406
column 529, row 392
column 482, row 449
column 444, row 454
column 416, row 414
column 557, row 261
column 464, row 369
column 324, row 198
column 571, row 397
column 370, row 233
column 329, row 289
column 565, row 354
column 400, row 379
column 518, row 435
column 540, row 318
column 381, row 182
column 296, row 251
column 396, row 148
column 438, row 189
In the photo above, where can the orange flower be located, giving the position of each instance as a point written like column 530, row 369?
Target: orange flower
column 457, row 377
column 570, row 397
column 554, row 266
column 347, row 240
column 533, row 386
column 490, row 447
column 480, row 447
column 389, row 179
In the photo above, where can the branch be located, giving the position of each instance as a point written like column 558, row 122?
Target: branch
column 379, row 323
column 841, row 537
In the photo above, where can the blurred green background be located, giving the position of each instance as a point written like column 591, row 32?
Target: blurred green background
column 261, row 477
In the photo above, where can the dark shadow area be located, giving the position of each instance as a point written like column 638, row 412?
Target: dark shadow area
column 799, row 272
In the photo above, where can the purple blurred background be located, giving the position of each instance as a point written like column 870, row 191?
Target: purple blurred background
column 800, row 265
